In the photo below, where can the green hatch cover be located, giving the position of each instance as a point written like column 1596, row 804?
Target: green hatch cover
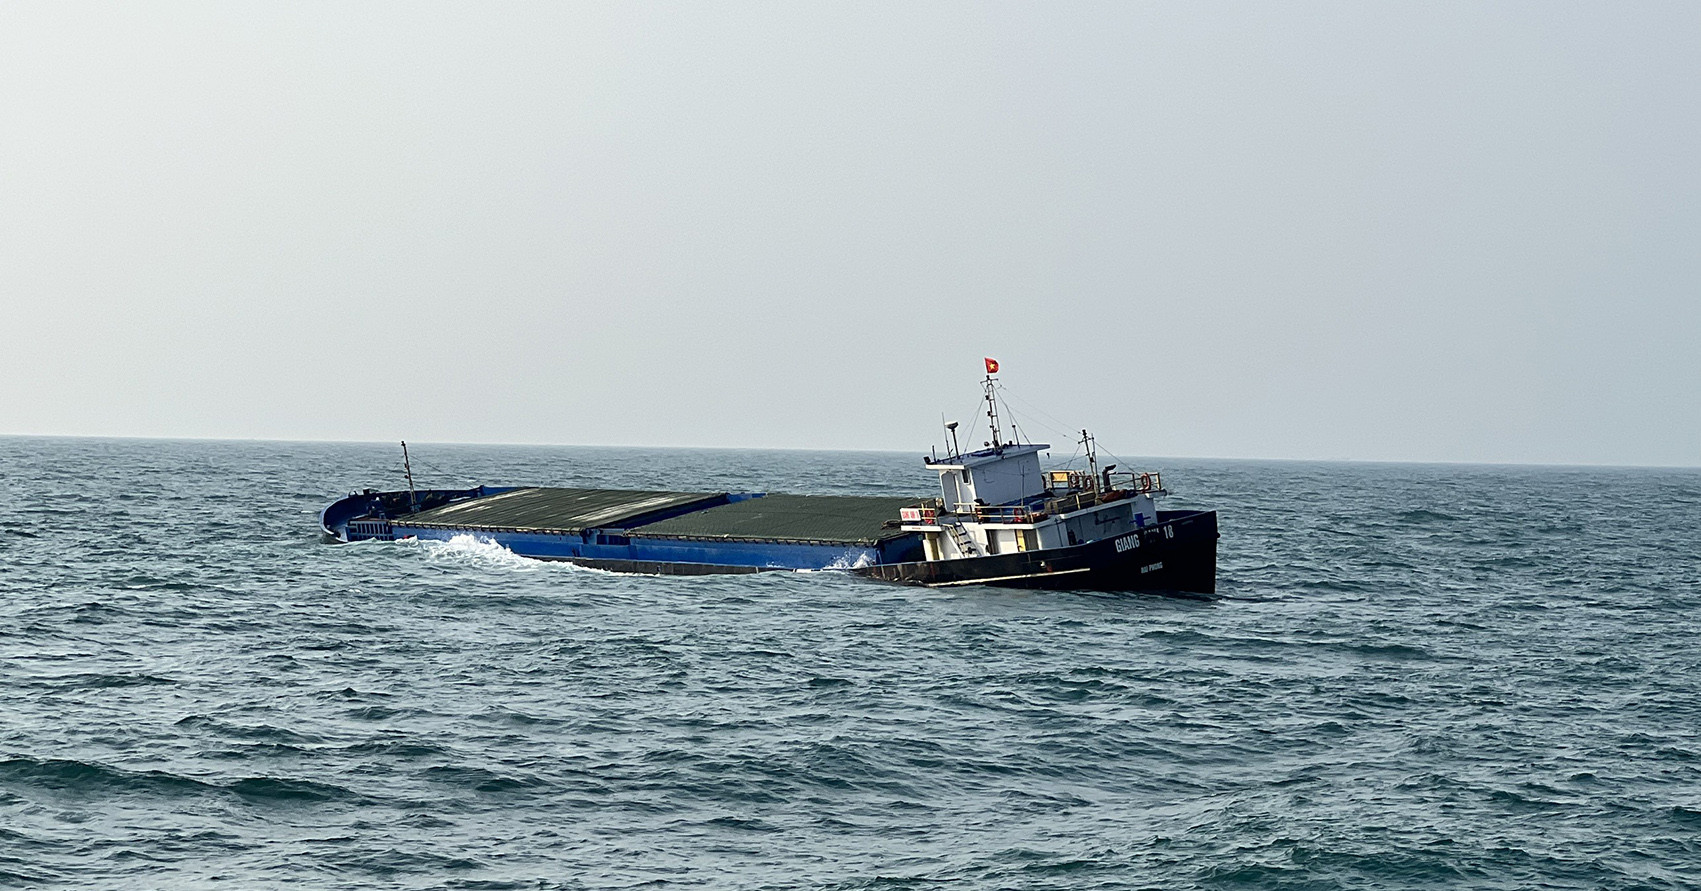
column 558, row 510
column 850, row 519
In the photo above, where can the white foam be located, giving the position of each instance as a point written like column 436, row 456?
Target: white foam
column 477, row 551
column 846, row 562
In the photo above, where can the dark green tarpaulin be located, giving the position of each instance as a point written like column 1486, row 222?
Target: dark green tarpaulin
column 850, row 519
column 558, row 510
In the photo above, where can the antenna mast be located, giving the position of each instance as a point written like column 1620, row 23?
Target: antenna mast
column 1092, row 458
column 992, row 414
column 407, row 467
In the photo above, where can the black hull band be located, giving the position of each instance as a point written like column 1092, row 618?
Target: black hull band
column 1177, row 556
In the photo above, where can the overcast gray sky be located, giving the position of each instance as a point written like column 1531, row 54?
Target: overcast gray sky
column 1421, row 231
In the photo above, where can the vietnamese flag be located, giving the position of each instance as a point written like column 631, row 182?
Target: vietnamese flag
column 991, row 366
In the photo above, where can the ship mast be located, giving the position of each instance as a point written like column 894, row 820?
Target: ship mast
column 992, row 415
column 407, row 467
column 1092, row 458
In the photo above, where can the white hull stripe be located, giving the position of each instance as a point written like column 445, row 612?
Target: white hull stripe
column 1006, row 578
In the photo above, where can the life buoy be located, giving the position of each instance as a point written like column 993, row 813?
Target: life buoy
column 1145, row 482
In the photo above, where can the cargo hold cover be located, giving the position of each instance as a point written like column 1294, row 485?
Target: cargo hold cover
column 839, row 519
column 560, row 510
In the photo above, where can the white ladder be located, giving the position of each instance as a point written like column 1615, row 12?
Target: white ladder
column 966, row 543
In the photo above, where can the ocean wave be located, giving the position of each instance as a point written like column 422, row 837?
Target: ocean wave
column 1425, row 517
column 83, row 778
column 102, row 681
column 268, row 788
column 72, row 776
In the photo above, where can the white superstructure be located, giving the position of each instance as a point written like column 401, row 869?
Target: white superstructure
column 998, row 500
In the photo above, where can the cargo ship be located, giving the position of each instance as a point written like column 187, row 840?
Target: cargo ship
column 999, row 519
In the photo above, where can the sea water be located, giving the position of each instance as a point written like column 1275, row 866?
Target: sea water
column 1419, row 676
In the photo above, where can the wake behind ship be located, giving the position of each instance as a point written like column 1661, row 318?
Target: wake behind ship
column 1000, row 519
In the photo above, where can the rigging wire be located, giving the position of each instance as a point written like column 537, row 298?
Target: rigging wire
column 1118, row 458
column 1004, row 397
column 1039, row 411
column 1067, row 435
column 1015, row 429
column 974, row 424
column 1070, row 434
column 421, row 464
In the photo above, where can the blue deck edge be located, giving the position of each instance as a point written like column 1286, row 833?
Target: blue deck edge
column 382, row 515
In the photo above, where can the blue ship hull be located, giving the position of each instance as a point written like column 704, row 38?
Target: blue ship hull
column 625, row 545
column 669, row 556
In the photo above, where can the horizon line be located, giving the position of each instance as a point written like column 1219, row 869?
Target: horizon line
column 892, row 451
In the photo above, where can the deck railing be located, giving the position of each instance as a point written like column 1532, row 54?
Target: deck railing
column 1077, row 483
column 1135, row 481
column 1003, row 513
